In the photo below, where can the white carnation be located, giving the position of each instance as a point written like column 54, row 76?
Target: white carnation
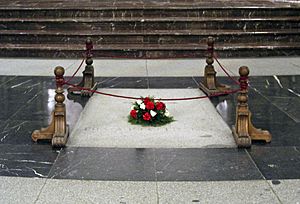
column 142, row 106
column 167, row 113
column 139, row 102
column 153, row 113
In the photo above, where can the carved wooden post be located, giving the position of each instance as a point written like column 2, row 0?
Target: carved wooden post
column 210, row 84
column 58, row 129
column 88, row 80
column 243, row 131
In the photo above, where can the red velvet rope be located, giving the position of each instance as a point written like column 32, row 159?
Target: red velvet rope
column 59, row 81
column 225, row 70
column 89, row 46
column 88, row 53
column 243, row 82
column 76, row 71
column 161, row 99
column 210, row 50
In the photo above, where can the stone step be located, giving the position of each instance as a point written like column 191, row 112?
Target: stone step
column 134, row 12
column 149, row 51
column 153, row 19
column 154, row 4
column 148, row 28
column 150, row 37
column 143, row 24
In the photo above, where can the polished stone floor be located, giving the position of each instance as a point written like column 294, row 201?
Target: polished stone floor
column 266, row 173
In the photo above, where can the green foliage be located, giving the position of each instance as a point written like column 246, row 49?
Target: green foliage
column 155, row 123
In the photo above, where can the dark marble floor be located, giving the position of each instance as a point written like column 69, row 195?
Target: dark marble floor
column 26, row 104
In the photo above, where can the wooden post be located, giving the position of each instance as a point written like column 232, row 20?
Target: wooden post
column 210, row 85
column 244, row 131
column 58, row 130
column 88, row 80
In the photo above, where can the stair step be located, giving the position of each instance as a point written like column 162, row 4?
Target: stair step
column 152, row 37
column 231, row 24
column 146, row 12
column 108, row 4
column 154, row 19
column 146, row 50
column 200, row 46
column 148, row 28
column 150, row 32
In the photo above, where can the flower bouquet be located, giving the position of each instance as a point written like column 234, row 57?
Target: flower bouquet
column 149, row 112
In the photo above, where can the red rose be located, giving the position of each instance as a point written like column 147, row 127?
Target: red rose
column 133, row 114
column 160, row 106
column 150, row 105
column 147, row 116
column 146, row 100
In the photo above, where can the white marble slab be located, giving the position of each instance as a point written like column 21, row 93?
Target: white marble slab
column 103, row 123
column 176, row 67
column 262, row 66
column 35, row 67
column 20, row 190
column 108, row 192
column 195, row 67
column 232, row 192
column 287, row 190
column 173, row 67
column 45, row 67
column 120, row 68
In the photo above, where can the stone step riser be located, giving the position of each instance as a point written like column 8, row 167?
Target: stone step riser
column 115, row 54
column 173, row 44
column 150, row 26
column 145, row 13
column 148, row 39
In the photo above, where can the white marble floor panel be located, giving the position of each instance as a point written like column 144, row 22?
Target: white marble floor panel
column 45, row 67
column 287, row 190
column 164, row 67
column 195, row 67
column 229, row 192
column 20, row 190
column 103, row 123
column 108, row 192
